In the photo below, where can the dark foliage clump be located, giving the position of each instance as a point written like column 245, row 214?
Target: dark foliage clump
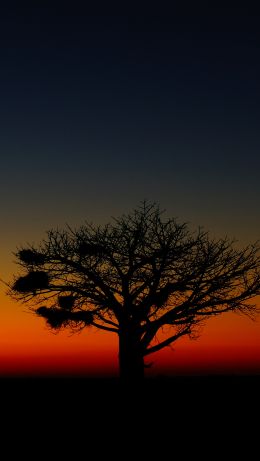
column 66, row 302
column 86, row 317
column 31, row 257
column 57, row 317
column 32, row 281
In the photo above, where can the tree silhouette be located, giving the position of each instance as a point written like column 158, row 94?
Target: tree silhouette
column 133, row 277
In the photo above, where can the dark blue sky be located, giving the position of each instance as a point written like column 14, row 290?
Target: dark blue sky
column 101, row 111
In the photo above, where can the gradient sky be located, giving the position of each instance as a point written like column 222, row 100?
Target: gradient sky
column 101, row 111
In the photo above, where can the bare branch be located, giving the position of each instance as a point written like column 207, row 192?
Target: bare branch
column 167, row 342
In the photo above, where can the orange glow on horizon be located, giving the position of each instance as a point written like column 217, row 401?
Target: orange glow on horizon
column 227, row 344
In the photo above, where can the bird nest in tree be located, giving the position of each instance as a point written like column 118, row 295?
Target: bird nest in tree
column 66, row 302
column 57, row 317
column 31, row 257
column 86, row 317
column 32, row 281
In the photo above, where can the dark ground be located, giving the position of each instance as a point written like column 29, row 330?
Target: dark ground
column 209, row 393
column 205, row 417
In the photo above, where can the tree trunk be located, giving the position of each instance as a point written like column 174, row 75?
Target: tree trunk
column 131, row 362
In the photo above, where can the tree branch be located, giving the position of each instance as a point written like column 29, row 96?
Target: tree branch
column 167, row 342
column 103, row 327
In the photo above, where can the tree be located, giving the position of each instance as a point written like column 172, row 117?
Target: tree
column 135, row 276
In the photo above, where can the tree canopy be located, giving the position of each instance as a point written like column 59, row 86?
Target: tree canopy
column 135, row 275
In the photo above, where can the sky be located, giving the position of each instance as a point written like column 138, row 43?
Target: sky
column 100, row 111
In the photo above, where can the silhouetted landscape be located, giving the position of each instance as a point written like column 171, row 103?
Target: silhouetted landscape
column 107, row 118
column 183, row 398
